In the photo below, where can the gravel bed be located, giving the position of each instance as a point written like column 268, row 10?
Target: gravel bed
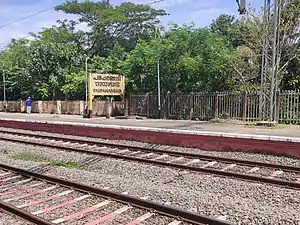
column 265, row 172
column 54, row 202
column 146, row 156
column 284, row 160
column 2, row 172
column 40, row 196
column 73, row 208
column 51, row 153
column 219, row 166
column 237, row 201
column 8, row 219
column 201, row 164
column 157, row 219
column 241, row 169
column 289, row 176
column 128, row 216
column 12, row 186
column 24, row 192
column 111, row 207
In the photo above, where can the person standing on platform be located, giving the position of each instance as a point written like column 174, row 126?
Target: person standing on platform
column 28, row 105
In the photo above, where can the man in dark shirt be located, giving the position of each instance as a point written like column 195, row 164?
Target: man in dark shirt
column 28, row 105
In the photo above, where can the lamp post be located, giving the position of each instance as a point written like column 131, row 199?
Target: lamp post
column 86, row 82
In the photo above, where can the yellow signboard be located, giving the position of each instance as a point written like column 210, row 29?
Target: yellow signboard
column 107, row 84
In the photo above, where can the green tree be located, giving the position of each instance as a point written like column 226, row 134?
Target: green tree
column 227, row 26
column 125, row 23
column 50, row 65
column 14, row 64
column 190, row 60
column 74, row 88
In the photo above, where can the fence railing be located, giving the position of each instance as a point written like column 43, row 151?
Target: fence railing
column 206, row 106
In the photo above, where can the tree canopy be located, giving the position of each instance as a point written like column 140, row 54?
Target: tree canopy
column 130, row 39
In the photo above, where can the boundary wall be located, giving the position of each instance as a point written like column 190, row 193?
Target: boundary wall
column 64, row 107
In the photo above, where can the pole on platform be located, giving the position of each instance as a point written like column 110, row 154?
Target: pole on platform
column 4, row 91
column 90, row 99
column 157, row 36
column 86, row 82
column 158, row 90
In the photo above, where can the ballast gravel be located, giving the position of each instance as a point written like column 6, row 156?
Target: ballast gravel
column 7, row 219
column 284, row 160
column 236, row 201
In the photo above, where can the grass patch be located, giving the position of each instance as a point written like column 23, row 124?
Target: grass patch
column 67, row 164
column 277, row 127
column 3, row 151
column 30, row 157
column 39, row 158
column 216, row 120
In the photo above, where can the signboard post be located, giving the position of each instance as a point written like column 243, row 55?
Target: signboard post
column 104, row 85
column 107, row 84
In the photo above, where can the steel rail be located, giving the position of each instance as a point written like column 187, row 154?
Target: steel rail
column 167, row 164
column 23, row 214
column 171, row 153
column 161, row 209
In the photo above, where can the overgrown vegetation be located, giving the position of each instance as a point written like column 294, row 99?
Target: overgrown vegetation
column 222, row 57
column 30, row 157
column 39, row 158
column 3, row 151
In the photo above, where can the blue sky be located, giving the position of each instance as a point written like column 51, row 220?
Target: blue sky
column 201, row 12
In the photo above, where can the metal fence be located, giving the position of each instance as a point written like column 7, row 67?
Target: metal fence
column 206, row 106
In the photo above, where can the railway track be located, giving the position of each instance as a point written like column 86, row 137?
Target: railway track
column 46, row 200
column 282, row 175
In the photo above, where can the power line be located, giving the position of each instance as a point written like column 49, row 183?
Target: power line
column 23, row 18
column 45, row 10
column 4, row 42
column 42, row 11
column 26, row 17
column 156, row 1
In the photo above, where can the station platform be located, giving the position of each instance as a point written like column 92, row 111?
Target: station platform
column 234, row 136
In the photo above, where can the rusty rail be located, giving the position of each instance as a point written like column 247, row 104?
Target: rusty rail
column 161, row 209
column 171, row 153
column 167, row 164
column 23, row 214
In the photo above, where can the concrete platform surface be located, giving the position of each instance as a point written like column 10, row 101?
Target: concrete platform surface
column 236, row 127
column 206, row 136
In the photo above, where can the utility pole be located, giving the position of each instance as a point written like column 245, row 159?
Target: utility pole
column 4, row 90
column 270, row 59
column 241, row 6
column 86, row 82
column 158, row 76
column 87, row 79
column 158, row 90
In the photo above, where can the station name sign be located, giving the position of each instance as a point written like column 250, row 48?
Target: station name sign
column 107, row 84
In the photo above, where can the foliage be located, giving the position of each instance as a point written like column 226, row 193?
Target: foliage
column 190, row 59
column 52, row 63
column 110, row 24
column 125, row 39
column 27, row 156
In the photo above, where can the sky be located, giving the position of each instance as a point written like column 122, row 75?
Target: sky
column 201, row 12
